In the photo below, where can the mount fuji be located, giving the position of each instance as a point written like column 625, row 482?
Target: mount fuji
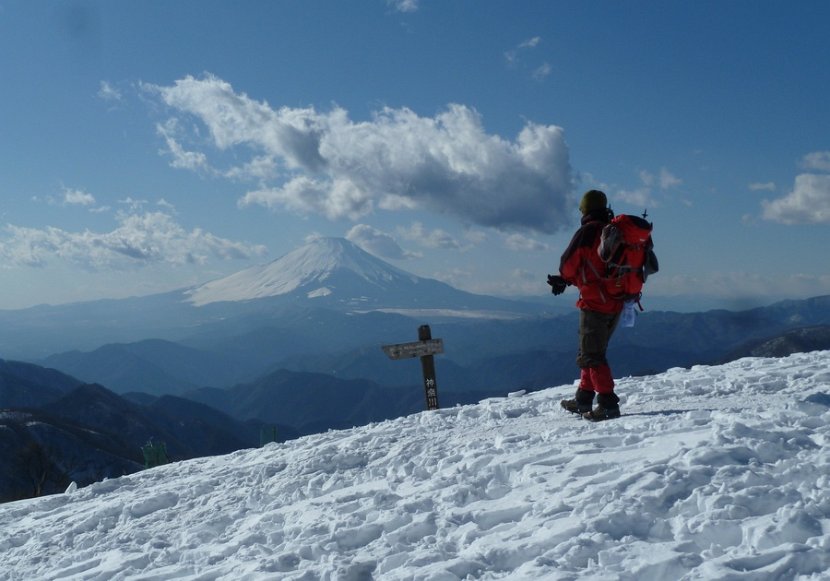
column 341, row 275
column 320, row 268
column 330, row 274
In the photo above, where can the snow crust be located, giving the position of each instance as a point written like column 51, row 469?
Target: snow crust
column 715, row 473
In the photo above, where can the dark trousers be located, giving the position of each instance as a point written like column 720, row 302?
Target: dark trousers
column 595, row 330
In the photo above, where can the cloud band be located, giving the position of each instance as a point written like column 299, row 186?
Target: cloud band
column 311, row 162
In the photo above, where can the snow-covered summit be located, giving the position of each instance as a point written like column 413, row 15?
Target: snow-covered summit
column 716, row 473
column 315, row 269
column 337, row 274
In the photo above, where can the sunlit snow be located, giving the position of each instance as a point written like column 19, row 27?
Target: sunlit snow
column 712, row 473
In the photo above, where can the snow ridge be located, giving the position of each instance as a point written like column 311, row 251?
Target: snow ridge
column 713, row 473
column 312, row 268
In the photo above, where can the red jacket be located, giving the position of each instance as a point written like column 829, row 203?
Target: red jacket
column 582, row 267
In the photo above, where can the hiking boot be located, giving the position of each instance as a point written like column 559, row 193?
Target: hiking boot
column 608, row 408
column 580, row 404
column 600, row 413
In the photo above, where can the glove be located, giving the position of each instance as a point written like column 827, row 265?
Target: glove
column 557, row 284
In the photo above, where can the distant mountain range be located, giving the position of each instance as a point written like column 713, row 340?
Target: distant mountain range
column 328, row 307
column 800, row 340
column 55, row 430
column 315, row 402
column 328, row 273
column 486, row 355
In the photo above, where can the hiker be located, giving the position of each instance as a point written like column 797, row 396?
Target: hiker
column 599, row 312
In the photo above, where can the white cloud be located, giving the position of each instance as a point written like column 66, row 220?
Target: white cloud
column 108, row 92
column 742, row 284
column 664, row 179
column 77, row 198
column 393, row 203
column 475, row 237
column 514, row 283
column 138, row 240
column 647, row 178
column 132, row 204
column 379, row 243
column 437, row 238
column 542, row 72
column 337, row 199
column 522, row 274
column 668, row 180
column 638, row 197
column 313, row 236
column 817, row 161
column 519, row 282
column 325, row 163
column 521, row 243
column 69, row 197
column 262, row 168
column 404, row 5
column 762, row 186
column 643, row 196
column 809, row 202
column 182, row 159
column 512, row 55
column 162, row 203
column 531, row 42
column 456, row 277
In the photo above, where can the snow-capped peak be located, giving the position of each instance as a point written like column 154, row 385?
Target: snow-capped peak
column 312, row 269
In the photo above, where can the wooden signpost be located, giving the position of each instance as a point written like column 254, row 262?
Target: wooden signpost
column 424, row 348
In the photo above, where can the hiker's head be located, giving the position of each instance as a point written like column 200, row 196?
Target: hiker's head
column 593, row 200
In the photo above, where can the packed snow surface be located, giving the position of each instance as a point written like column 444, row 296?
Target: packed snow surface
column 712, row 473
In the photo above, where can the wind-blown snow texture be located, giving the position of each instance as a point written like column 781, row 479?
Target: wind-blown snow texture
column 712, row 473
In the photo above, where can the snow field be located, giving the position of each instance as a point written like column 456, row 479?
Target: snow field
column 711, row 473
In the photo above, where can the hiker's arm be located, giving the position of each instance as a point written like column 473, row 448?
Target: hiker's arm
column 571, row 259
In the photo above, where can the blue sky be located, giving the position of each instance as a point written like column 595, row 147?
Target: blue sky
column 148, row 146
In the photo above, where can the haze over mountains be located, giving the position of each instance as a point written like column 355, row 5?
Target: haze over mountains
column 328, row 306
column 326, row 273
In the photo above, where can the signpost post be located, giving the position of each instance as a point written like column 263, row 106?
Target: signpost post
column 424, row 348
